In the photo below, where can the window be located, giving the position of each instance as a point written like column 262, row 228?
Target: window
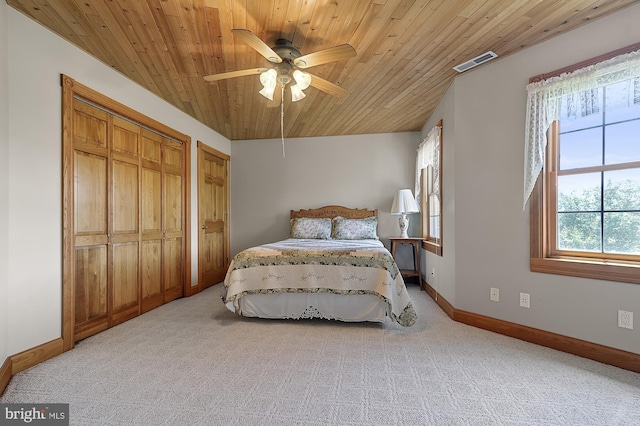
column 428, row 188
column 585, row 205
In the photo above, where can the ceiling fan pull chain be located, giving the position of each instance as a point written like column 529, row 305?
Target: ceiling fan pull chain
column 282, row 118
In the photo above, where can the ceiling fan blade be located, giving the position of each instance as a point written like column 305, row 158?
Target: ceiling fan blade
column 257, row 44
column 336, row 53
column 328, row 87
column 232, row 74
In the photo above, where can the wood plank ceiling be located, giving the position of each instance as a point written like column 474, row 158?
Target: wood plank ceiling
column 406, row 50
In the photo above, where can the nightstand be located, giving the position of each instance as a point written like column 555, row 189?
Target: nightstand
column 415, row 243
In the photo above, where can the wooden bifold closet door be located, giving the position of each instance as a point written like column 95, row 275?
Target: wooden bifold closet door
column 162, row 169
column 129, row 219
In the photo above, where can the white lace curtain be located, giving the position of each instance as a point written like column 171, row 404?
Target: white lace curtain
column 428, row 154
column 543, row 104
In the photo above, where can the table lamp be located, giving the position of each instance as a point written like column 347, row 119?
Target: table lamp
column 403, row 204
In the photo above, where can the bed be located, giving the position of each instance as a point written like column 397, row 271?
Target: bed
column 332, row 266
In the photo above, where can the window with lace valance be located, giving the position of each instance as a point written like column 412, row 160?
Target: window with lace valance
column 582, row 170
column 428, row 188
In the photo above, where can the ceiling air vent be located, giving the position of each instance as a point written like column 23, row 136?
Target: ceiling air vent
column 475, row 61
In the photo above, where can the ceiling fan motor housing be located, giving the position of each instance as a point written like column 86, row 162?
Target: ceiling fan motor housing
column 285, row 49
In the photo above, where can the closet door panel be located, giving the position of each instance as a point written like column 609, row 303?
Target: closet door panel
column 125, row 221
column 90, row 217
column 172, row 269
column 125, row 269
column 126, row 137
column 124, row 205
column 151, row 260
column 151, row 150
column 173, row 205
column 151, row 274
column 91, row 304
column 173, row 156
column 173, row 218
column 90, row 192
column 91, row 294
column 172, row 259
column 151, row 202
column 89, row 128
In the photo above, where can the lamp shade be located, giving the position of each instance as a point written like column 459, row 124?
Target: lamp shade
column 268, row 80
column 296, row 93
column 302, row 79
column 268, row 92
column 404, row 203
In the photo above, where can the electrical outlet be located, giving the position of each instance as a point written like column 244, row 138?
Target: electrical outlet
column 494, row 294
column 625, row 319
column 525, row 300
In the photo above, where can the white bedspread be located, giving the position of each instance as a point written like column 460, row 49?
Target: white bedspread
column 316, row 266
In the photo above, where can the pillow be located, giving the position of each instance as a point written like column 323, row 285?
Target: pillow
column 354, row 229
column 305, row 227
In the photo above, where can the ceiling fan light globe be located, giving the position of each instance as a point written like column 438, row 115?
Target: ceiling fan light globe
column 296, row 93
column 267, row 92
column 302, row 79
column 268, row 78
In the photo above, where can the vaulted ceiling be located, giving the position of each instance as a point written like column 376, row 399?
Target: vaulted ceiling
column 406, row 51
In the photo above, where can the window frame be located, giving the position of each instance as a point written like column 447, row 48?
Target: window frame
column 431, row 244
column 543, row 216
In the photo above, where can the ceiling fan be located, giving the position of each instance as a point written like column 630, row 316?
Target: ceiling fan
column 288, row 62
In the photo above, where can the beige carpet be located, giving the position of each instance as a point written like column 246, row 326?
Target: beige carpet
column 192, row 362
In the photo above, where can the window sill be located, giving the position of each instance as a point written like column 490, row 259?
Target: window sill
column 583, row 268
column 431, row 247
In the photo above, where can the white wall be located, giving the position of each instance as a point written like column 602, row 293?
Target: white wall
column 4, row 186
column 36, row 58
column 361, row 171
column 487, row 106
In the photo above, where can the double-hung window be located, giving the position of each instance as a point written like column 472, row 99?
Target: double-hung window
column 428, row 188
column 583, row 132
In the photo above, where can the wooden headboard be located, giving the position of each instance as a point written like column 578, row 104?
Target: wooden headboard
column 335, row 211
